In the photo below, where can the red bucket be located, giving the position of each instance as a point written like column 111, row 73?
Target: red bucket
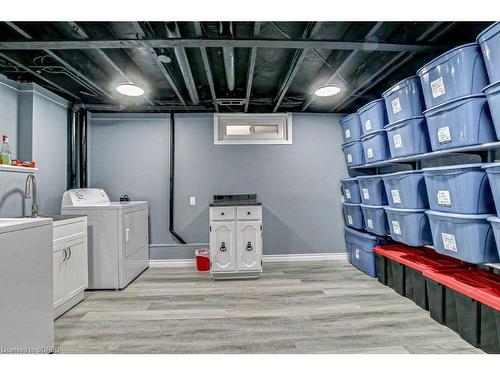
column 202, row 260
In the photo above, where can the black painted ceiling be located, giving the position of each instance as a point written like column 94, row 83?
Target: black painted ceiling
column 283, row 79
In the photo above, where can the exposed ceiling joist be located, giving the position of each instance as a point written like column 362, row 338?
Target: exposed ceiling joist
column 93, row 85
column 161, row 67
column 251, row 66
column 206, row 64
column 209, row 43
column 297, row 61
column 345, row 63
column 399, row 60
column 39, row 76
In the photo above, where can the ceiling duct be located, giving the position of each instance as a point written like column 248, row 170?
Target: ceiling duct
column 226, row 31
column 183, row 62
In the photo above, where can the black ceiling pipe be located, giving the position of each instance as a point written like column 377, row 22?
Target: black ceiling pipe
column 83, row 149
column 172, row 180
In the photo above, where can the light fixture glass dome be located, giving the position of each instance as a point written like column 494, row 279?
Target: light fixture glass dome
column 327, row 90
column 130, row 89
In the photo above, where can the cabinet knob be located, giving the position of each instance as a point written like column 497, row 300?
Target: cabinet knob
column 69, row 249
column 65, row 252
column 249, row 246
column 223, row 247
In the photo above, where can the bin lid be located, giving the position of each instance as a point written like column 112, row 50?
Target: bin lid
column 475, row 283
column 348, row 179
column 373, row 207
column 489, row 32
column 370, row 105
column 348, row 117
column 372, row 134
column 494, row 219
column 362, row 234
column 398, row 86
column 453, row 167
column 458, row 216
column 395, row 124
column 394, row 251
column 351, row 204
column 430, row 260
column 350, row 143
column 368, row 177
column 402, row 173
column 450, row 103
column 492, row 88
column 444, row 57
column 409, row 210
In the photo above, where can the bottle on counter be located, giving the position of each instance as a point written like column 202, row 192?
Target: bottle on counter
column 5, row 153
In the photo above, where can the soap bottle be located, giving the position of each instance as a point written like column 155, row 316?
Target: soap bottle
column 5, row 152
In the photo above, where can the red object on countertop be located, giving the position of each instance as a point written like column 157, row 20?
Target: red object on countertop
column 475, row 283
column 202, row 260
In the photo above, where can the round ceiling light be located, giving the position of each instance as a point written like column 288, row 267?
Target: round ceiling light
column 328, row 90
column 130, row 89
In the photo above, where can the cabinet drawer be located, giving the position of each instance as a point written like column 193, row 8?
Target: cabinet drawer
column 249, row 213
column 221, row 213
column 69, row 230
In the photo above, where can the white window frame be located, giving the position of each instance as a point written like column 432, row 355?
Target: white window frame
column 282, row 120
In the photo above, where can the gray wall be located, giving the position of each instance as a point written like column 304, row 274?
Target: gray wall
column 36, row 121
column 130, row 155
column 298, row 184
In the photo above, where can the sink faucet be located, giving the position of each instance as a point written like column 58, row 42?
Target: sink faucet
column 31, row 185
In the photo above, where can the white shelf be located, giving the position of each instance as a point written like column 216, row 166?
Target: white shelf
column 430, row 155
column 17, row 169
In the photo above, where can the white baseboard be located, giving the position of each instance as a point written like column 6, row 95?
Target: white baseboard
column 265, row 259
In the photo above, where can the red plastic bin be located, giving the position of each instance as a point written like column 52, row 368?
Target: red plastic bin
column 202, row 260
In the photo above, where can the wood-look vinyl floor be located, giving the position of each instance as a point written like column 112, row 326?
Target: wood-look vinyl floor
column 296, row 307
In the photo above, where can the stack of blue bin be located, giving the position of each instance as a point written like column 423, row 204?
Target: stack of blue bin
column 460, row 203
column 493, row 171
column 457, row 112
column 407, row 129
column 352, row 147
column 373, row 119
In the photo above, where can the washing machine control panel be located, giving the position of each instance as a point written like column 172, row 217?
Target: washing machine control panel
column 85, row 197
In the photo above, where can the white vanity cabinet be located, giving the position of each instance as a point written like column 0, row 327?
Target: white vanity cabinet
column 70, row 262
column 235, row 242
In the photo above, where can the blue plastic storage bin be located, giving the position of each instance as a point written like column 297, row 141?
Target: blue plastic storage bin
column 495, row 225
column 404, row 100
column 406, row 189
column 462, row 189
column 493, row 95
column 350, row 190
column 372, row 190
column 408, row 137
column 375, row 146
column 373, row 116
column 353, row 153
column 375, row 219
column 409, row 226
column 466, row 237
column 489, row 40
column 351, row 127
column 493, row 171
column 461, row 122
column 360, row 250
column 456, row 73
column 353, row 215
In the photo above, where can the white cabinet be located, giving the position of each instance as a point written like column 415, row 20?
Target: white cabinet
column 236, row 242
column 70, row 263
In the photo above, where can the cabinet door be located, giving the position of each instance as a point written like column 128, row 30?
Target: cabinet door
column 249, row 245
column 222, row 251
column 58, row 267
column 76, row 268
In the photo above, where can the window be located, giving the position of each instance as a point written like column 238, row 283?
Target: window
column 243, row 128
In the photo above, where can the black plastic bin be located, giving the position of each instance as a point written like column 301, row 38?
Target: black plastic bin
column 435, row 299
column 397, row 272
column 490, row 330
column 462, row 315
column 381, row 269
column 415, row 287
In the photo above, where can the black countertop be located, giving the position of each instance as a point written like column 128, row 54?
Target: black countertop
column 235, row 200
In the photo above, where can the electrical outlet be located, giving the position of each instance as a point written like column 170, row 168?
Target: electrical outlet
column 192, row 201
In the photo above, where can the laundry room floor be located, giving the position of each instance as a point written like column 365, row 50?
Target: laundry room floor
column 296, row 307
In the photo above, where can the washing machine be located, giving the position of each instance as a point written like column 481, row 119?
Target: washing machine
column 118, row 242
